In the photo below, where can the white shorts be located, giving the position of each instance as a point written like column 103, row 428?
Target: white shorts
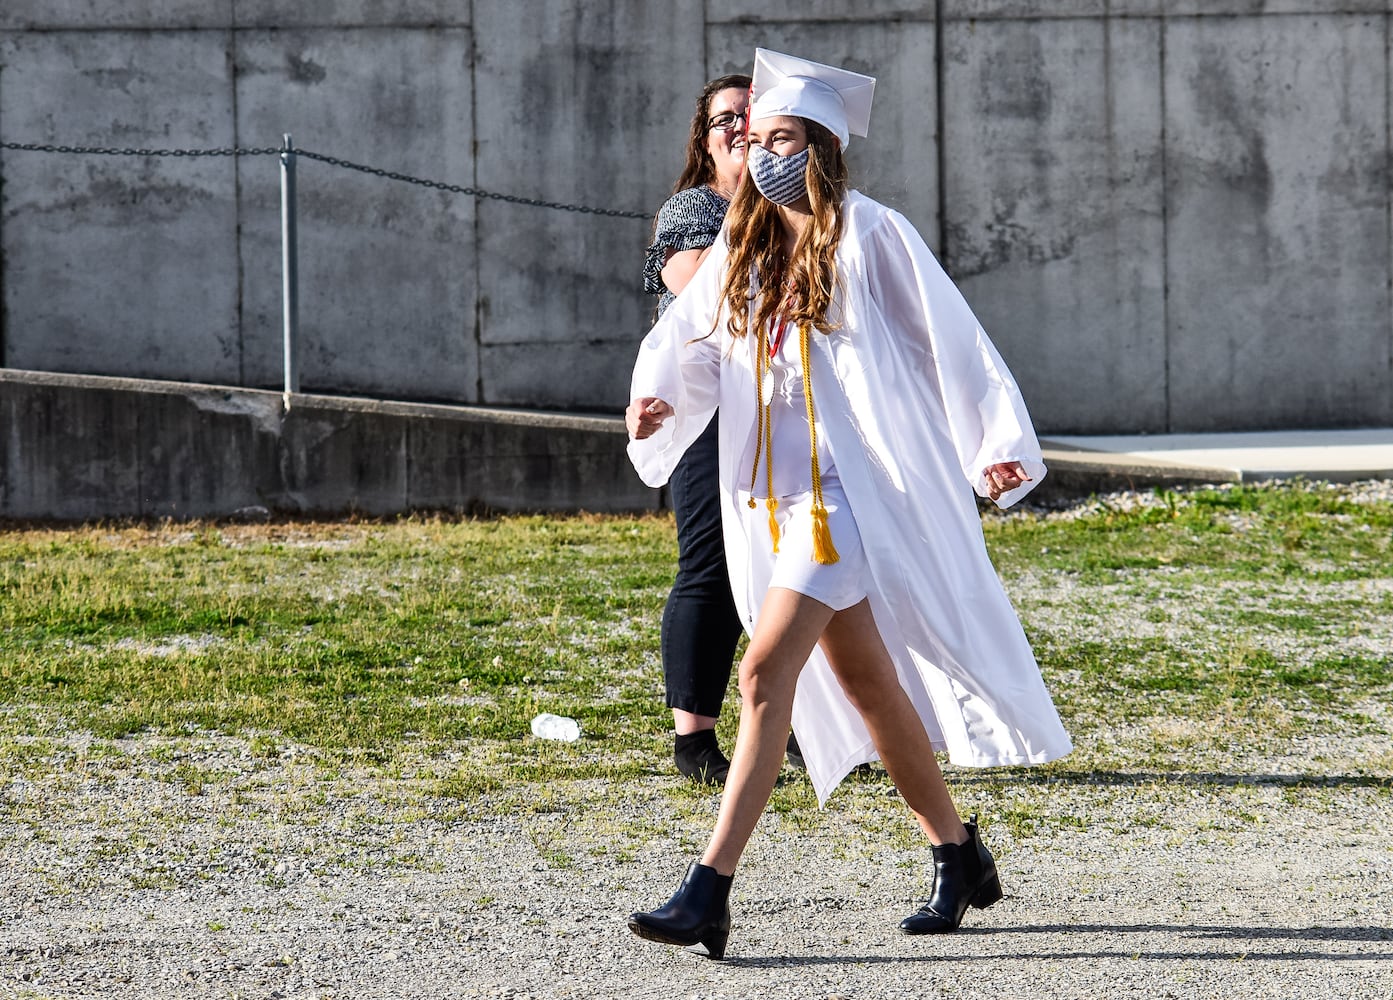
column 841, row 584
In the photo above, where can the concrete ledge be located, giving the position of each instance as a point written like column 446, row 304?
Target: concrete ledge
column 86, row 447
column 1332, row 455
column 82, row 447
column 1075, row 473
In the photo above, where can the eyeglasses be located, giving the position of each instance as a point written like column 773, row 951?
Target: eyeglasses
column 725, row 121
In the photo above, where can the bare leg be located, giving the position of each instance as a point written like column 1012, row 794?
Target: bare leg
column 686, row 723
column 862, row 664
column 789, row 627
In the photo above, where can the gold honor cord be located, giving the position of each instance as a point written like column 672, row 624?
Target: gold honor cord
column 764, row 441
column 824, row 551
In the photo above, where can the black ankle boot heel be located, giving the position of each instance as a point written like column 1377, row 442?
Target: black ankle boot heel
column 964, row 875
column 987, row 895
column 714, row 944
column 697, row 915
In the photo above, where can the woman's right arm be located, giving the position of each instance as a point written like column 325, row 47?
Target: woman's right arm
column 644, row 416
column 677, row 376
column 681, row 265
column 682, row 235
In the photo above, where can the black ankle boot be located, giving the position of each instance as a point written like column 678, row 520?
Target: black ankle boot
column 697, row 914
column 795, row 754
column 964, row 875
column 698, row 756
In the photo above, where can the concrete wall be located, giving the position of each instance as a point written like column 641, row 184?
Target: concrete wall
column 1172, row 215
column 78, row 447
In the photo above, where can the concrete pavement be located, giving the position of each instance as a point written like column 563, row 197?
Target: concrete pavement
column 1082, row 465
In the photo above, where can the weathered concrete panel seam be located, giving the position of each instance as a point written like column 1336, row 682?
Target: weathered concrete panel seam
column 1388, row 174
column 1166, row 340
column 239, row 299
column 940, row 107
column 4, row 307
column 477, row 333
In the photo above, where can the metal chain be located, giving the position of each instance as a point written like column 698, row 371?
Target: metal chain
column 332, row 161
column 471, row 192
column 31, row 147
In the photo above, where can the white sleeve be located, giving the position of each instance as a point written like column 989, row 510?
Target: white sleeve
column 679, row 362
column 987, row 418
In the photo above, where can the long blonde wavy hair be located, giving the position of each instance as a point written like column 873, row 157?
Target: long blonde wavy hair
column 756, row 241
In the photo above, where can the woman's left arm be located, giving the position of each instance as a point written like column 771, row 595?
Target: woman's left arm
column 1004, row 477
column 987, row 421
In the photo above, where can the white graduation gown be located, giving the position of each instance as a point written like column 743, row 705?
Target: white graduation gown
column 914, row 403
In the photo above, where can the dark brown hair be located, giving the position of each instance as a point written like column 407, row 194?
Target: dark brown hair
column 700, row 168
column 756, row 240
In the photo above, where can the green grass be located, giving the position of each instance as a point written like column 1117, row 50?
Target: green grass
column 1248, row 534
column 1173, row 635
column 343, row 636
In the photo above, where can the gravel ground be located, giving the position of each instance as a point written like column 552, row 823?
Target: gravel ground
column 1255, row 887
column 197, row 866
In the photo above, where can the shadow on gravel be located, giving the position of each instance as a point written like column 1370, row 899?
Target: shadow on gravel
column 1235, row 934
column 1127, row 778
column 1216, row 931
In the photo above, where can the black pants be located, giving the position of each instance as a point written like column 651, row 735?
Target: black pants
column 700, row 624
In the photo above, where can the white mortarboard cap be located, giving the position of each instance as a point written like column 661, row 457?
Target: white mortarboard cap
column 837, row 99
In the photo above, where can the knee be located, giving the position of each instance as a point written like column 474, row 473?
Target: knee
column 866, row 691
column 761, row 683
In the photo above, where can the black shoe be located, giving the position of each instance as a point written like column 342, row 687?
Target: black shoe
column 795, row 755
column 698, row 756
column 964, row 875
column 696, row 917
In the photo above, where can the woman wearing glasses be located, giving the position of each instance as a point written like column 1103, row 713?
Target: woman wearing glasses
column 700, row 625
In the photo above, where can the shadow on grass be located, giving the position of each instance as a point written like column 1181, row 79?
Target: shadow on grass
column 1249, row 942
column 1137, row 778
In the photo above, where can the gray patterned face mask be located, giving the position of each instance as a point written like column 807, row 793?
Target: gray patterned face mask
column 781, row 179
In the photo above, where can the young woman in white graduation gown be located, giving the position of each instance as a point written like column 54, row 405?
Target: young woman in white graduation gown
column 861, row 406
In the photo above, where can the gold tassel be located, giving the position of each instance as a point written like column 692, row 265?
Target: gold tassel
column 823, row 549
column 773, row 505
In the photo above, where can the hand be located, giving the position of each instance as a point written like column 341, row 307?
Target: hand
column 1004, row 477
column 645, row 415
